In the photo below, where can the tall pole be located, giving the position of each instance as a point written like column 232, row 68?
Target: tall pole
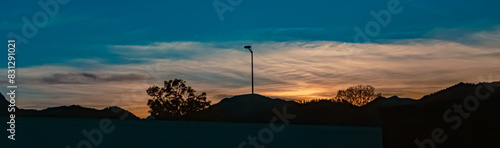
column 251, row 58
column 253, row 110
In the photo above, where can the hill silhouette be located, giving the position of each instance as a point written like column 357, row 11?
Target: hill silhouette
column 403, row 124
column 324, row 112
column 79, row 112
column 73, row 111
column 403, row 120
column 239, row 109
column 339, row 113
column 5, row 103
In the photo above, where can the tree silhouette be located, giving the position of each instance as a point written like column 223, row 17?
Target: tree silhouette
column 174, row 100
column 357, row 95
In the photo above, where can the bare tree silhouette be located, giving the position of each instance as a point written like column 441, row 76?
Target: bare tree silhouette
column 357, row 95
column 174, row 100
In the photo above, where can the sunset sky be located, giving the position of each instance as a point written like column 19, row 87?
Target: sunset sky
column 98, row 54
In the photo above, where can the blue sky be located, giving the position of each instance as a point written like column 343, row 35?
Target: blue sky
column 84, row 29
column 87, row 42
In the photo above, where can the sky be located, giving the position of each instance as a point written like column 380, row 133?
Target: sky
column 98, row 54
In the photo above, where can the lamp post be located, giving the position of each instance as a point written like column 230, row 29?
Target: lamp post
column 251, row 53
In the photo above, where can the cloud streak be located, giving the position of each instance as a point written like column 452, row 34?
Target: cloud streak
column 289, row 70
column 86, row 78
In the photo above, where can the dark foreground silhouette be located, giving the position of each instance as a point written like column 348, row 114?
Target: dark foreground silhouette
column 464, row 115
column 73, row 111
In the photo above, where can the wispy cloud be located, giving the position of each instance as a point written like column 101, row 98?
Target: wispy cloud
column 85, row 78
column 289, row 70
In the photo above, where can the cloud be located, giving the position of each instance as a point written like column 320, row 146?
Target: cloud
column 85, row 78
column 71, row 78
column 299, row 54
column 288, row 70
column 489, row 38
column 170, row 50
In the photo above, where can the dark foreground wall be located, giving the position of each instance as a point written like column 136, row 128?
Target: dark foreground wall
column 63, row 132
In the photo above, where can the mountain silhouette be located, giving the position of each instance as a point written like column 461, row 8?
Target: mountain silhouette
column 79, row 112
column 239, row 109
column 403, row 124
column 403, row 120
column 5, row 103
column 382, row 102
column 73, row 111
column 453, row 93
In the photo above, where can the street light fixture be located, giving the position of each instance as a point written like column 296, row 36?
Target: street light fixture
column 251, row 52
